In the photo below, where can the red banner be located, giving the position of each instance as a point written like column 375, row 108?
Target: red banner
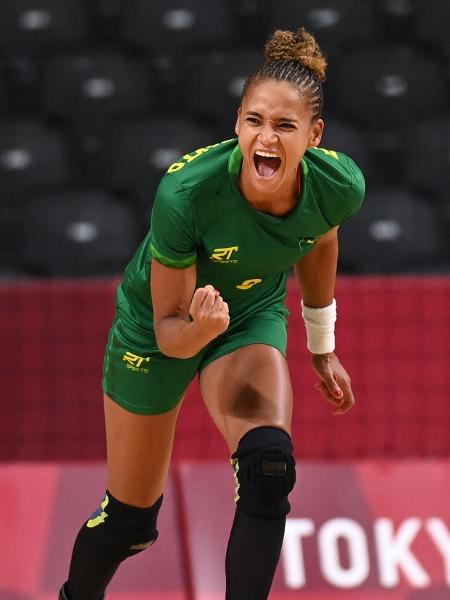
column 362, row 530
column 41, row 510
column 369, row 531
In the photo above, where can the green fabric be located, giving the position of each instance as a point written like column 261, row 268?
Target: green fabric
column 179, row 264
column 144, row 381
column 199, row 215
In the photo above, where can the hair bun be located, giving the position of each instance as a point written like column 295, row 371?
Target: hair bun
column 299, row 46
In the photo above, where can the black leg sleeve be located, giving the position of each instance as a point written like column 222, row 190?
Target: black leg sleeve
column 265, row 474
column 252, row 556
column 91, row 568
column 115, row 532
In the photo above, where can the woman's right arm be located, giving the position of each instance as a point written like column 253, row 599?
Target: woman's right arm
column 185, row 319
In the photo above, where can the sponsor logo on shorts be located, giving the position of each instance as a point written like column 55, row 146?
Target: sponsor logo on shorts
column 248, row 283
column 224, row 255
column 134, row 362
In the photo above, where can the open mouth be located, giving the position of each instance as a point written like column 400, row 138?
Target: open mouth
column 266, row 164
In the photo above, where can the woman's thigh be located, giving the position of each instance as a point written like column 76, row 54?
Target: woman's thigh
column 139, row 448
column 247, row 388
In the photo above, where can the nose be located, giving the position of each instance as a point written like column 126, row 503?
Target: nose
column 267, row 135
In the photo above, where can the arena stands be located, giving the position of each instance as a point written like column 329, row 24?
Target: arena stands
column 79, row 77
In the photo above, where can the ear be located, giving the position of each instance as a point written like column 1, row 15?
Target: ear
column 316, row 133
column 238, row 122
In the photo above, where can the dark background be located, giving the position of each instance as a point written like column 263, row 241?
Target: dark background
column 98, row 97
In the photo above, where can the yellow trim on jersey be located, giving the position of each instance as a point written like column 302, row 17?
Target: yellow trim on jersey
column 332, row 153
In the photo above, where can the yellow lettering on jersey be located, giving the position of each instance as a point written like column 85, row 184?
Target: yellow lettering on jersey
column 329, row 152
column 223, row 253
column 175, row 167
column 248, row 283
column 190, row 157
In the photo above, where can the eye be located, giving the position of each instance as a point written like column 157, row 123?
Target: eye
column 287, row 126
column 252, row 120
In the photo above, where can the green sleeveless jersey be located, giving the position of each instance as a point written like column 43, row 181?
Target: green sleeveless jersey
column 200, row 217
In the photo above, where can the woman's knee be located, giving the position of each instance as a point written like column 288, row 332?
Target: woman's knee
column 121, row 529
column 264, row 468
column 248, row 388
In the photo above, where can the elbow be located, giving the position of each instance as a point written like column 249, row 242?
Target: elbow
column 171, row 350
column 174, row 338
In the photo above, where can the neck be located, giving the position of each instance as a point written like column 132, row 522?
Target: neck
column 279, row 204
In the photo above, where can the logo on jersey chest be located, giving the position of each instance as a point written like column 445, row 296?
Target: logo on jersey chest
column 248, row 283
column 225, row 255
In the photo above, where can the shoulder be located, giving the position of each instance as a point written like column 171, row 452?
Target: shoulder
column 199, row 167
column 187, row 182
column 337, row 183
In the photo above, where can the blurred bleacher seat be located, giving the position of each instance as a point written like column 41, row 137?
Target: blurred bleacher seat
column 389, row 86
column 396, row 19
column 103, row 95
column 428, row 144
column 173, row 25
column 90, row 87
column 336, row 23
column 431, row 20
column 29, row 26
column 215, row 83
column 395, row 232
column 251, row 21
column 11, row 214
column 77, row 233
column 32, row 153
column 139, row 151
column 3, row 90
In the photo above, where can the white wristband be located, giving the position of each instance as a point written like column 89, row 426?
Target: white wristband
column 319, row 324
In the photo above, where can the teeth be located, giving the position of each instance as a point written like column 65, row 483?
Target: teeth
column 266, row 154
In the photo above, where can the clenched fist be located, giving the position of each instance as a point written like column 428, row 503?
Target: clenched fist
column 209, row 312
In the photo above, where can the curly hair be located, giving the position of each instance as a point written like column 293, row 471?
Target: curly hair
column 296, row 57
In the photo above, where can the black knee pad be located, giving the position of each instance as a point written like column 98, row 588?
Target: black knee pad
column 123, row 529
column 265, row 472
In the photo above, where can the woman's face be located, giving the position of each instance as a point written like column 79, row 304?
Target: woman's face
column 275, row 128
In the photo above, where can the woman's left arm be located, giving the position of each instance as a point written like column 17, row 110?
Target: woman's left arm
column 316, row 275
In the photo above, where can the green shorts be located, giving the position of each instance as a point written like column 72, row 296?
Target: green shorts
column 145, row 381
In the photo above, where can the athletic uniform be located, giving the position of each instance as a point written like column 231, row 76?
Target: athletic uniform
column 200, row 217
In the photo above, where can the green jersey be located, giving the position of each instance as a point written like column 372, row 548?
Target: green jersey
column 200, row 217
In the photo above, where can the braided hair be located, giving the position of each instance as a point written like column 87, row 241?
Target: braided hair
column 294, row 56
